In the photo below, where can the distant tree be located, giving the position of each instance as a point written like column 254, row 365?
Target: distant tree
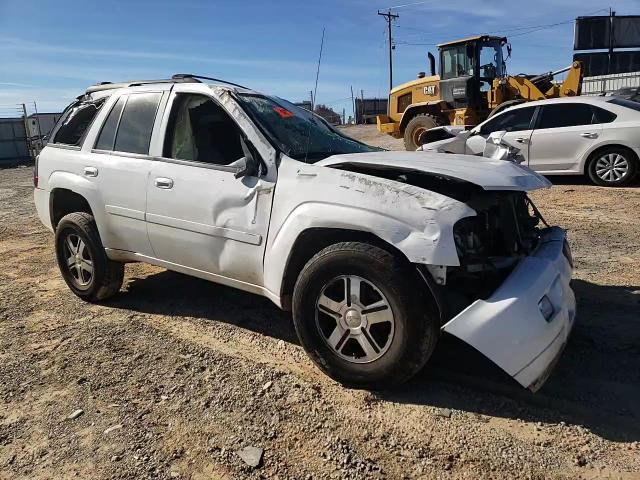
column 328, row 114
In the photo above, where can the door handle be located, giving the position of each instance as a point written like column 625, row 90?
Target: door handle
column 522, row 140
column 90, row 172
column 165, row 183
column 589, row 135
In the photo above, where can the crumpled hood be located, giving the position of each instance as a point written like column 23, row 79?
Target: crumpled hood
column 484, row 172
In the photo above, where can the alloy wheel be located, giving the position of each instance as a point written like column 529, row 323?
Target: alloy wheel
column 79, row 262
column 612, row 167
column 355, row 319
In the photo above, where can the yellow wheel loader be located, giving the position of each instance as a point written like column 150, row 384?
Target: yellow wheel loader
column 471, row 86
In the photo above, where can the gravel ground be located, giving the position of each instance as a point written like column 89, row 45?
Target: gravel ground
column 175, row 376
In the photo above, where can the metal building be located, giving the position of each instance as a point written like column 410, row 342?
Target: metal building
column 13, row 142
column 368, row 108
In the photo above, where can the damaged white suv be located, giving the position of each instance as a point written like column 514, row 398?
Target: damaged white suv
column 376, row 253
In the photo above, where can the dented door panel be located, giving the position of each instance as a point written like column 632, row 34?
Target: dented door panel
column 209, row 220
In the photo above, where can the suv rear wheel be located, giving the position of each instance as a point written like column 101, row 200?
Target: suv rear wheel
column 82, row 260
column 360, row 317
column 612, row 167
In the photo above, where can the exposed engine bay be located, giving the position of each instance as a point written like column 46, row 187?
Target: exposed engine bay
column 489, row 245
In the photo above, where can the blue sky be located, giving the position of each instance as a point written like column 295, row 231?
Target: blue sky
column 51, row 50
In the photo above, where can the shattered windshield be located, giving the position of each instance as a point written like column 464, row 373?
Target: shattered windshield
column 299, row 133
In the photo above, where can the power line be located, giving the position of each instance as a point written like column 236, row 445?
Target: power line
column 410, row 4
column 529, row 29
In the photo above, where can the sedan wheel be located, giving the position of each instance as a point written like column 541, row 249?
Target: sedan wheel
column 612, row 167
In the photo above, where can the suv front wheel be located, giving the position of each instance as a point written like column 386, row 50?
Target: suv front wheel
column 82, row 260
column 360, row 317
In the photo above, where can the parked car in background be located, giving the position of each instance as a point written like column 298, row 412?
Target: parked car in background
column 375, row 252
column 630, row 93
column 594, row 136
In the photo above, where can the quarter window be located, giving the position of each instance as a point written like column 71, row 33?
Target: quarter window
column 565, row 115
column 600, row 115
column 136, row 123
column 514, row 120
column 76, row 123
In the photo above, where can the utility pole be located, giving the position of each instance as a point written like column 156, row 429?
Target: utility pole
column 311, row 97
column 611, row 15
column 353, row 104
column 389, row 17
column 610, row 55
column 26, row 131
column 40, row 142
column 362, row 106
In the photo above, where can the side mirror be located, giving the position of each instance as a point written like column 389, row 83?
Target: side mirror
column 247, row 166
column 496, row 137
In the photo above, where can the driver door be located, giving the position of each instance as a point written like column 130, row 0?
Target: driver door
column 199, row 215
column 516, row 122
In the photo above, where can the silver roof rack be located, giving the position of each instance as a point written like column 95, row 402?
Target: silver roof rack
column 187, row 76
column 134, row 83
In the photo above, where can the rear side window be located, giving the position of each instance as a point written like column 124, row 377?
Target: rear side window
column 136, row 123
column 565, row 115
column 107, row 137
column 514, row 120
column 600, row 115
column 76, row 123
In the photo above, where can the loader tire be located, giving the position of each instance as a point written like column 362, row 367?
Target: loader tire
column 416, row 126
column 503, row 106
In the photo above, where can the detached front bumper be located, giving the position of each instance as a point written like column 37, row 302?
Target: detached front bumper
column 524, row 326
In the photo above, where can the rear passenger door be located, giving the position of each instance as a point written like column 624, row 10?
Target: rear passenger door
column 119, row 165
column 563, row 133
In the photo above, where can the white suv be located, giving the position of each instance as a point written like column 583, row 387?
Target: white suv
column 374, row 252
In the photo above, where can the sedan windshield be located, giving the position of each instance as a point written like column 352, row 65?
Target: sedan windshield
column 299, row 133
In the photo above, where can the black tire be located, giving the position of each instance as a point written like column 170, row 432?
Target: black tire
column 106, row 277
column 416, row 126
column 593, row 166
column 416, row 328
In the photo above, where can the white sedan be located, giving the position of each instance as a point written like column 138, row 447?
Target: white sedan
column 596, row 136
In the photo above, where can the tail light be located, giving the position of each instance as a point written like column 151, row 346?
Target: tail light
column 35, row 172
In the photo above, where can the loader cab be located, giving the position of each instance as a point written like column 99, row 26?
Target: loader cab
column 468, row 68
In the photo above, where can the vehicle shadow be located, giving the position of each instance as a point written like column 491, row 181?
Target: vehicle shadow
column 174, row 294
column 596, row 384
column 582, row 180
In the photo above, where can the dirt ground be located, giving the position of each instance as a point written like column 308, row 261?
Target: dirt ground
column 175, row 375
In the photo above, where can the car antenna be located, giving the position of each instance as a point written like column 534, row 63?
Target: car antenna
column 313, row 99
